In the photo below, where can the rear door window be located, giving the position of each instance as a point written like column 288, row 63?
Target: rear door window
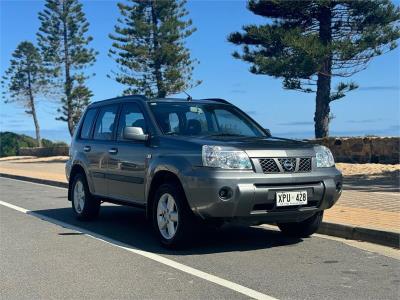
column 105, row 123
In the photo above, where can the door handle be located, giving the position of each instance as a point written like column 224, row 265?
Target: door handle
column 87, row 148
column 113, row 151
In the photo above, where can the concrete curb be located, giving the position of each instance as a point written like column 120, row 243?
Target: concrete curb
column 35, row 180
column 376, row 236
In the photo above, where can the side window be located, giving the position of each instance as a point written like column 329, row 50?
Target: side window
column 105, row 123
column 131, row 116
column 88, row 123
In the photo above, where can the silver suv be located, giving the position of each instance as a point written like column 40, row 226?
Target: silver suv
column 188, row 161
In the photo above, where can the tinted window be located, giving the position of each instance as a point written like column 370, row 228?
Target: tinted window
column 87, row 123
column 105, row 123
column 232, row 124
column 196, row 121
column 130, row 116
column 203, row 119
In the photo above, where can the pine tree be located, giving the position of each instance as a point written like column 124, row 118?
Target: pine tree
column 25, row 80
column 149, row 48
column 63, row 40
column 309, row 42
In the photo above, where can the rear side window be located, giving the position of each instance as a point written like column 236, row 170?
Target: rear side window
column 88, row 123
column 105, row 123
column 132, row 116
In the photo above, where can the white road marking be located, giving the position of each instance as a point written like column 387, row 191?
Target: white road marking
column 155, row 257
column 20, row 209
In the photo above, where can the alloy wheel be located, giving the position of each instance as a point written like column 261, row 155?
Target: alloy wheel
column 79, row 197
column 167, row 216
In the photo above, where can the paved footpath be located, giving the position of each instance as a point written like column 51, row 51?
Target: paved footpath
column 46, row 253
column 365, row 202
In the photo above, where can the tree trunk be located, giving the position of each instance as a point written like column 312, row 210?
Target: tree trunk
column 68, row 79
column 37, row 127
column 33, row 112
column 161, row 92
column 322, row 109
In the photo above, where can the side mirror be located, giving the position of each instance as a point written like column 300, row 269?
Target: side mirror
column 135, row 134
column 267, row 131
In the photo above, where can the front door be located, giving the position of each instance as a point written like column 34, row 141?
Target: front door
column 126, row 164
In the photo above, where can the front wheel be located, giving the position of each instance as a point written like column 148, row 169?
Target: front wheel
column 84, row 205
column 304, row 228
column 172, row 218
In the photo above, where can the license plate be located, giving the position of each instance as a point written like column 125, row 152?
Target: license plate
column 291, row 198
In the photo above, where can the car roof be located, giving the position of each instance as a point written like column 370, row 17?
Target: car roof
column 164, row 100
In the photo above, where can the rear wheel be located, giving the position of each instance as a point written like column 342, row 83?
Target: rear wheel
column 172, row 218
column 84, row 205
column 304, row 228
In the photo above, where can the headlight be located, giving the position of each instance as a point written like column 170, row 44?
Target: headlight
column 225, row 158
column 324, row 157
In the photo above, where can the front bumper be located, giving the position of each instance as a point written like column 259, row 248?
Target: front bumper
column 253, row 194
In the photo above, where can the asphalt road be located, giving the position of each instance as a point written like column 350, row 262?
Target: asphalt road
column 45, row 253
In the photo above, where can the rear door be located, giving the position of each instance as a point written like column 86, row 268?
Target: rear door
column 127, row 163
column 90, row 150
column 98, row 152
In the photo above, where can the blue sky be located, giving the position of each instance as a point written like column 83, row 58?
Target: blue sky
column 372, row 109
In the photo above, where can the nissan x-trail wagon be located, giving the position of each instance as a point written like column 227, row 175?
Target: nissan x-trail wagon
column 196, row 161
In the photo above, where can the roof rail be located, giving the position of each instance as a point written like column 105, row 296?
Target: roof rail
column 217, row 100
column 137, row 96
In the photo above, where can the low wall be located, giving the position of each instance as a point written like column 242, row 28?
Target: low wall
column 44, row 151
column 383, row 150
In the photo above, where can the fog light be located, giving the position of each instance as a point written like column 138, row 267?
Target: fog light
column 339, row 187
column 225, row 193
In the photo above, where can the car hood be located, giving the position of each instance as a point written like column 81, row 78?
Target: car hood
column 270, row 146
column 256, row 146
column 254, row 143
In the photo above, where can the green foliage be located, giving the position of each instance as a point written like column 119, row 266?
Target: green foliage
column 10, row 143
column 295, row 47
column 25, row 76
column 63, row 41
column 149, row 48
column 308, row 42
column 25, row 79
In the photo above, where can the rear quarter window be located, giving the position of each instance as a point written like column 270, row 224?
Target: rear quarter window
column 105, row 123
column 88, row 123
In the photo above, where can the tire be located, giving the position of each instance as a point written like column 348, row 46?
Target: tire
column 84, row 205
column 173, row 221
column 304, row 228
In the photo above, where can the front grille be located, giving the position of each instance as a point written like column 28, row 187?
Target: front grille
column 285, row 164
column 304, row 165
column 269, row 165
column 288, row 164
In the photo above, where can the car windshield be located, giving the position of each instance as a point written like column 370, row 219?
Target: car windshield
column 203, row 119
